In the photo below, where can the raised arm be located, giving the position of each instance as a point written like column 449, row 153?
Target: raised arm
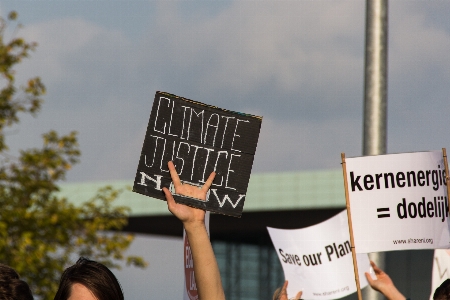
column 207, row 275
column 383, row 284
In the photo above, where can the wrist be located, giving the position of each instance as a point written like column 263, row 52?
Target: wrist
column 194, row 225
column 394, row 294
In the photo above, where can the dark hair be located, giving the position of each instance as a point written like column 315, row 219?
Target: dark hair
column 443, row 291
column 11, row 286
column 94, row 276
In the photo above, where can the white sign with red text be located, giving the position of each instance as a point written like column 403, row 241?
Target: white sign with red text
column 398, row 201
column 190, row 287
column 317, row 260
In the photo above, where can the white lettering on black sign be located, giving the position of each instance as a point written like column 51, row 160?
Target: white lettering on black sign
column 199, row 139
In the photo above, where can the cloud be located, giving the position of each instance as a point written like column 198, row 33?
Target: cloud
column 293, row 48
column 297, row 63
column 91, row 88
column 285, row 145
column 79, row 59
column 419, row 72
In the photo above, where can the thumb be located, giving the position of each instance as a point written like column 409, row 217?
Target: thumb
column 369, row 279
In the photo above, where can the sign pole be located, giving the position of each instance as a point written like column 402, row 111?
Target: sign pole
column 349, row 216
column 444, row 154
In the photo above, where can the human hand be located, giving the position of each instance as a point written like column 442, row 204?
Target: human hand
column 383, row 284
column 282, row 294
column 183, row 212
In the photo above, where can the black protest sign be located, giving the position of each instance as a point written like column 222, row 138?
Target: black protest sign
column 199, row 139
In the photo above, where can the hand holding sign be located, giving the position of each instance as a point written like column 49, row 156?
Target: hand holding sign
column 207, row 276
column 383, row 284
column 281, row 293
column 183, row 212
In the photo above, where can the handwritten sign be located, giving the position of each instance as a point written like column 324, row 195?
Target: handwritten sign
column 199, row 139
column 398, row 201
column 317, row 260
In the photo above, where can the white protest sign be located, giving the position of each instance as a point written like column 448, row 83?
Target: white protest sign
column 190, row 287
column 398, row 201
column 317, row 260
column 441, row 269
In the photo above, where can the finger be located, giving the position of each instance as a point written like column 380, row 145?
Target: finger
column 369, row 278
column 170, row 201
column 299, row 295
column 285, row 285
column 375, row 268
column 284, row 288
column 208, row 182
column 174, row 174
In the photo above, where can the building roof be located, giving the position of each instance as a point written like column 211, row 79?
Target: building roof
column 322, row 189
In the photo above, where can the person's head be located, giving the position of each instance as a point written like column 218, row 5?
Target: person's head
column 88, row 277
column 11, row 286
column 443, row 291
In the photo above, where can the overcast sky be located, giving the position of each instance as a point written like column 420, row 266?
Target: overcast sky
column 299, row 64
